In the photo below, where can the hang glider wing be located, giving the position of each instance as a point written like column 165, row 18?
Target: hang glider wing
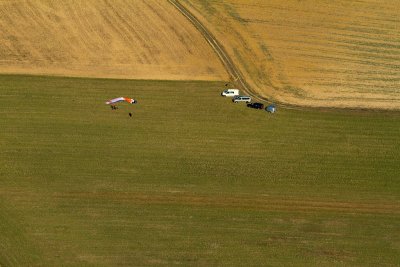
column 121, row 99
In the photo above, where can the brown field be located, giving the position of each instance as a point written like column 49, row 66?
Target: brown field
column 97, row 38
column 317, row 53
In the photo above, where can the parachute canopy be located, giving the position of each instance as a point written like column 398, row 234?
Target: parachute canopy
column 120, row 99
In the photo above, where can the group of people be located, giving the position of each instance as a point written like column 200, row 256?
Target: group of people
column 115, row 107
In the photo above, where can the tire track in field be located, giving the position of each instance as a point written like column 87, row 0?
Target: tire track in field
column 235, row 74
column 239, row 80
column 241, row 201
column 237, row 202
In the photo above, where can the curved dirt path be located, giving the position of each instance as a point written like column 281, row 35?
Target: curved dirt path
column 236, row 76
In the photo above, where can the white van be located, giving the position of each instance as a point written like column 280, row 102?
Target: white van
column 230, row 92
column 241, row 98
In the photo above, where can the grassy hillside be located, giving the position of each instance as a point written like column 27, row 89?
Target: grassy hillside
column 317, row 53
column 98, row 38
column 190, row 179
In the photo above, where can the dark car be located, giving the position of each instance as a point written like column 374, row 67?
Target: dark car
column 256, row 105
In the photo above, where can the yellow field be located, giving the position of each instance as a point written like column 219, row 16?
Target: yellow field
column 98, row 38
column 336, row 53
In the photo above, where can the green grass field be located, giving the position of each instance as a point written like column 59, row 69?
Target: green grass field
column 190, row 179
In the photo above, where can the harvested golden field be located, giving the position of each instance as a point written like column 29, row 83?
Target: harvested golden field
column 336, row 53
column 98, row 38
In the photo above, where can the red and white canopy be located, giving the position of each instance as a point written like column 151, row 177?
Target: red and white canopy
column 120, row 99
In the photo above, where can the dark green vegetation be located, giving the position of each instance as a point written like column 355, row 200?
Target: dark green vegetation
column 190, row 179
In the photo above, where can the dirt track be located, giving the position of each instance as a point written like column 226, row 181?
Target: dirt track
column 237, row 78
column 337, row 78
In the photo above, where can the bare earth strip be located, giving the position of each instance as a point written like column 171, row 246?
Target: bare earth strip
column 331, row 54
column 118, row 39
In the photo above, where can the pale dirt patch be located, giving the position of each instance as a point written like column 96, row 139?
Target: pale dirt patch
column 97, row 38
column 315, row 53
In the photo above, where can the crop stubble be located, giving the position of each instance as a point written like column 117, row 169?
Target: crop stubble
column 118, row 39
column 335, row 53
